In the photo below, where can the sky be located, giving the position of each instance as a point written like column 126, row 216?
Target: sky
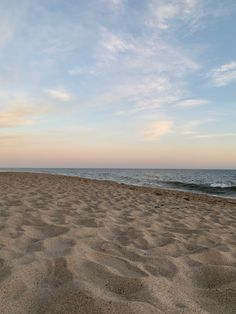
column 118, row 83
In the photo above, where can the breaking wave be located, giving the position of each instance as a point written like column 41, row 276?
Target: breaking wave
column 214, row 188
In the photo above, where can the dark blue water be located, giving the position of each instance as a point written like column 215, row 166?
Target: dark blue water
column 214, row 182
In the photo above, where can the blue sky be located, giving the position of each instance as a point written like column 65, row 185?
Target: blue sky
column 118, row 83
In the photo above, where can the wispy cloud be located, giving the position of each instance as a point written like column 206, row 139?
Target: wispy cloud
column 224, row 75
column 76, row 71
column 116, row 2
column 13, row 118
column 190, row 103
column 158, row 129
column 167, row 12
column 147, row 94
column 215, row 135
column 147, row 73
column 126, row 63
column 18, row 110
column 114, row 43
column 116, row 5
column 191, row 127
column 60, row 94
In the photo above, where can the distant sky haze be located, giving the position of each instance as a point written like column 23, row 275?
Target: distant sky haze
column 118, row 83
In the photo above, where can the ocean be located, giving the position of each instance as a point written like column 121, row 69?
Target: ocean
column 213, row 182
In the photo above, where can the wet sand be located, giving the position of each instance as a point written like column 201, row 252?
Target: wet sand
column 73, row 245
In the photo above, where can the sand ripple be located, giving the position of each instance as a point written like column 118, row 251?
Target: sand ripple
column 71, row 245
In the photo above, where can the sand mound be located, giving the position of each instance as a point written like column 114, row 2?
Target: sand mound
column 71, row 245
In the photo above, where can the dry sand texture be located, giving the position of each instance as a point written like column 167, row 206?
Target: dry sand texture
column 71, row 245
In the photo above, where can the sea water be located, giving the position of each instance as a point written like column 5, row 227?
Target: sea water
column 214, row 182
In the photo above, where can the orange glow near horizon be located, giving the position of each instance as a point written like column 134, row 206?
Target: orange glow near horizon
column 60, row 155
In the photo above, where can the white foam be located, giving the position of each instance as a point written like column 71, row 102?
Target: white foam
column 220, row 185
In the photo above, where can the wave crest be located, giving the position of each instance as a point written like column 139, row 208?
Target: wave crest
column 214, row 188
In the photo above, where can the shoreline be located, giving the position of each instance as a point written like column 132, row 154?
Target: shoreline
column 169, row 190
column 75, row 245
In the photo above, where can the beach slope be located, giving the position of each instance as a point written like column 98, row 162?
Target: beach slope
column 73, row 245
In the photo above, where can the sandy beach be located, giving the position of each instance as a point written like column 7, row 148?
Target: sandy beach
column 73, row 245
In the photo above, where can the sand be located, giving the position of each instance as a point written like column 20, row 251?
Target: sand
column 72, row 245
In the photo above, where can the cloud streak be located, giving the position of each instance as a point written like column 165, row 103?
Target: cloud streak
column 167, row 13
column 224, row 75
column 158, row 129
column 190, row 103
column 60, row 94
column 215, row 135
column 21, row 110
